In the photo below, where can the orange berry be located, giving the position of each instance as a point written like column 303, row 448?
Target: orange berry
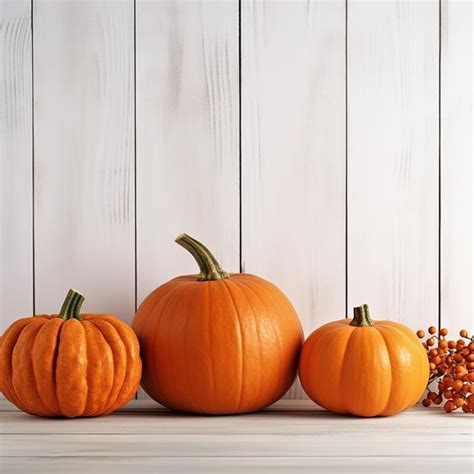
column 459, row 402
column 432, row 367
column 443, row 332
column 465, row 408
column 470, row 357
column 470, row 365
column 458, row 358
column 431, row 395
column 470, row 377
column 463, row 333
column 436, row 360
column 420, row 333
column 437, row 401
column 432, row 330
column 457, row 385
column 433, row 352
column 447, row 380
column 471, row 346
column 443, row 345
column 451, row 344
column 430, row 342
column 448, row 394
column 449, row 406
column 426, row 402
column 460, row 342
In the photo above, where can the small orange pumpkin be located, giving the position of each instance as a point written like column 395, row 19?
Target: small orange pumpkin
column 216, row 343
column 362, row 367
column 69, row 364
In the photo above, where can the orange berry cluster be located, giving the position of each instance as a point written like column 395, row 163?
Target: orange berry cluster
column 452, row 367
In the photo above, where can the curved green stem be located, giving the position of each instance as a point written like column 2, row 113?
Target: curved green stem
column 362, row 316
column 72, row 305
column 208, row 265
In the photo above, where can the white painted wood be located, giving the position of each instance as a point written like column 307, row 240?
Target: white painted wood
column 290, row 436
column 393, row 159
column 16, row 203
column 456, row 165
column 145, row 417
column 187, row 136
column 293, row 153
column 84, row 154
column 259, row 465
column 203, row 444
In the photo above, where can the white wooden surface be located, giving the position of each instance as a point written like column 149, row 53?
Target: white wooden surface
column 291, row 436
column 456, row 166
column 293, row 153
column 393, row 159
column 187, row 136
column 188, row 160
column 16, row 203
column 84, row 154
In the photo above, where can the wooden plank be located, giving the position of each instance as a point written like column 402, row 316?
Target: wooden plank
column 414, row 422
column 456, row 165
column 293, row 153
column 393, row 159
column 16, row 197
column 187, row 136
column 203, row 444
column 205, row 465
column 84, row 154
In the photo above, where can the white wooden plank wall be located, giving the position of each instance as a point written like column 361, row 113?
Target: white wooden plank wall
column 393, row 159
column 293, row 153
column 187, row 136
column 84, row 154
column 456, row 164
column 16, row 202
column 272, row 199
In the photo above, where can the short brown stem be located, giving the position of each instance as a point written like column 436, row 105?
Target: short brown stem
column 362, row 316
column 208, row 265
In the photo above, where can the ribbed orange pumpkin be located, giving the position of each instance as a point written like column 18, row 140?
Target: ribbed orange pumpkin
column 362, row 367
column 217, row 343
column 71, row 364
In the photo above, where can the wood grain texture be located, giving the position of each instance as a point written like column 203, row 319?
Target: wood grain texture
column 393, row 159
column 456, row 165
column 256, row 465
column 187, row 136
column 290, row 436
column 145, row 417
column 84, row 154
column 293, row 153
column 203, row 444
column 16, row 203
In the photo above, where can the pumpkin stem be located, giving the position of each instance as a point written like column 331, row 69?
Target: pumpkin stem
column 72, row 305
column 208, row 265
column 362, row 316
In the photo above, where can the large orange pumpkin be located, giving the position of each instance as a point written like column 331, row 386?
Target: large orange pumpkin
column 362, row 367
column 69, row 364
column 216, row 343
